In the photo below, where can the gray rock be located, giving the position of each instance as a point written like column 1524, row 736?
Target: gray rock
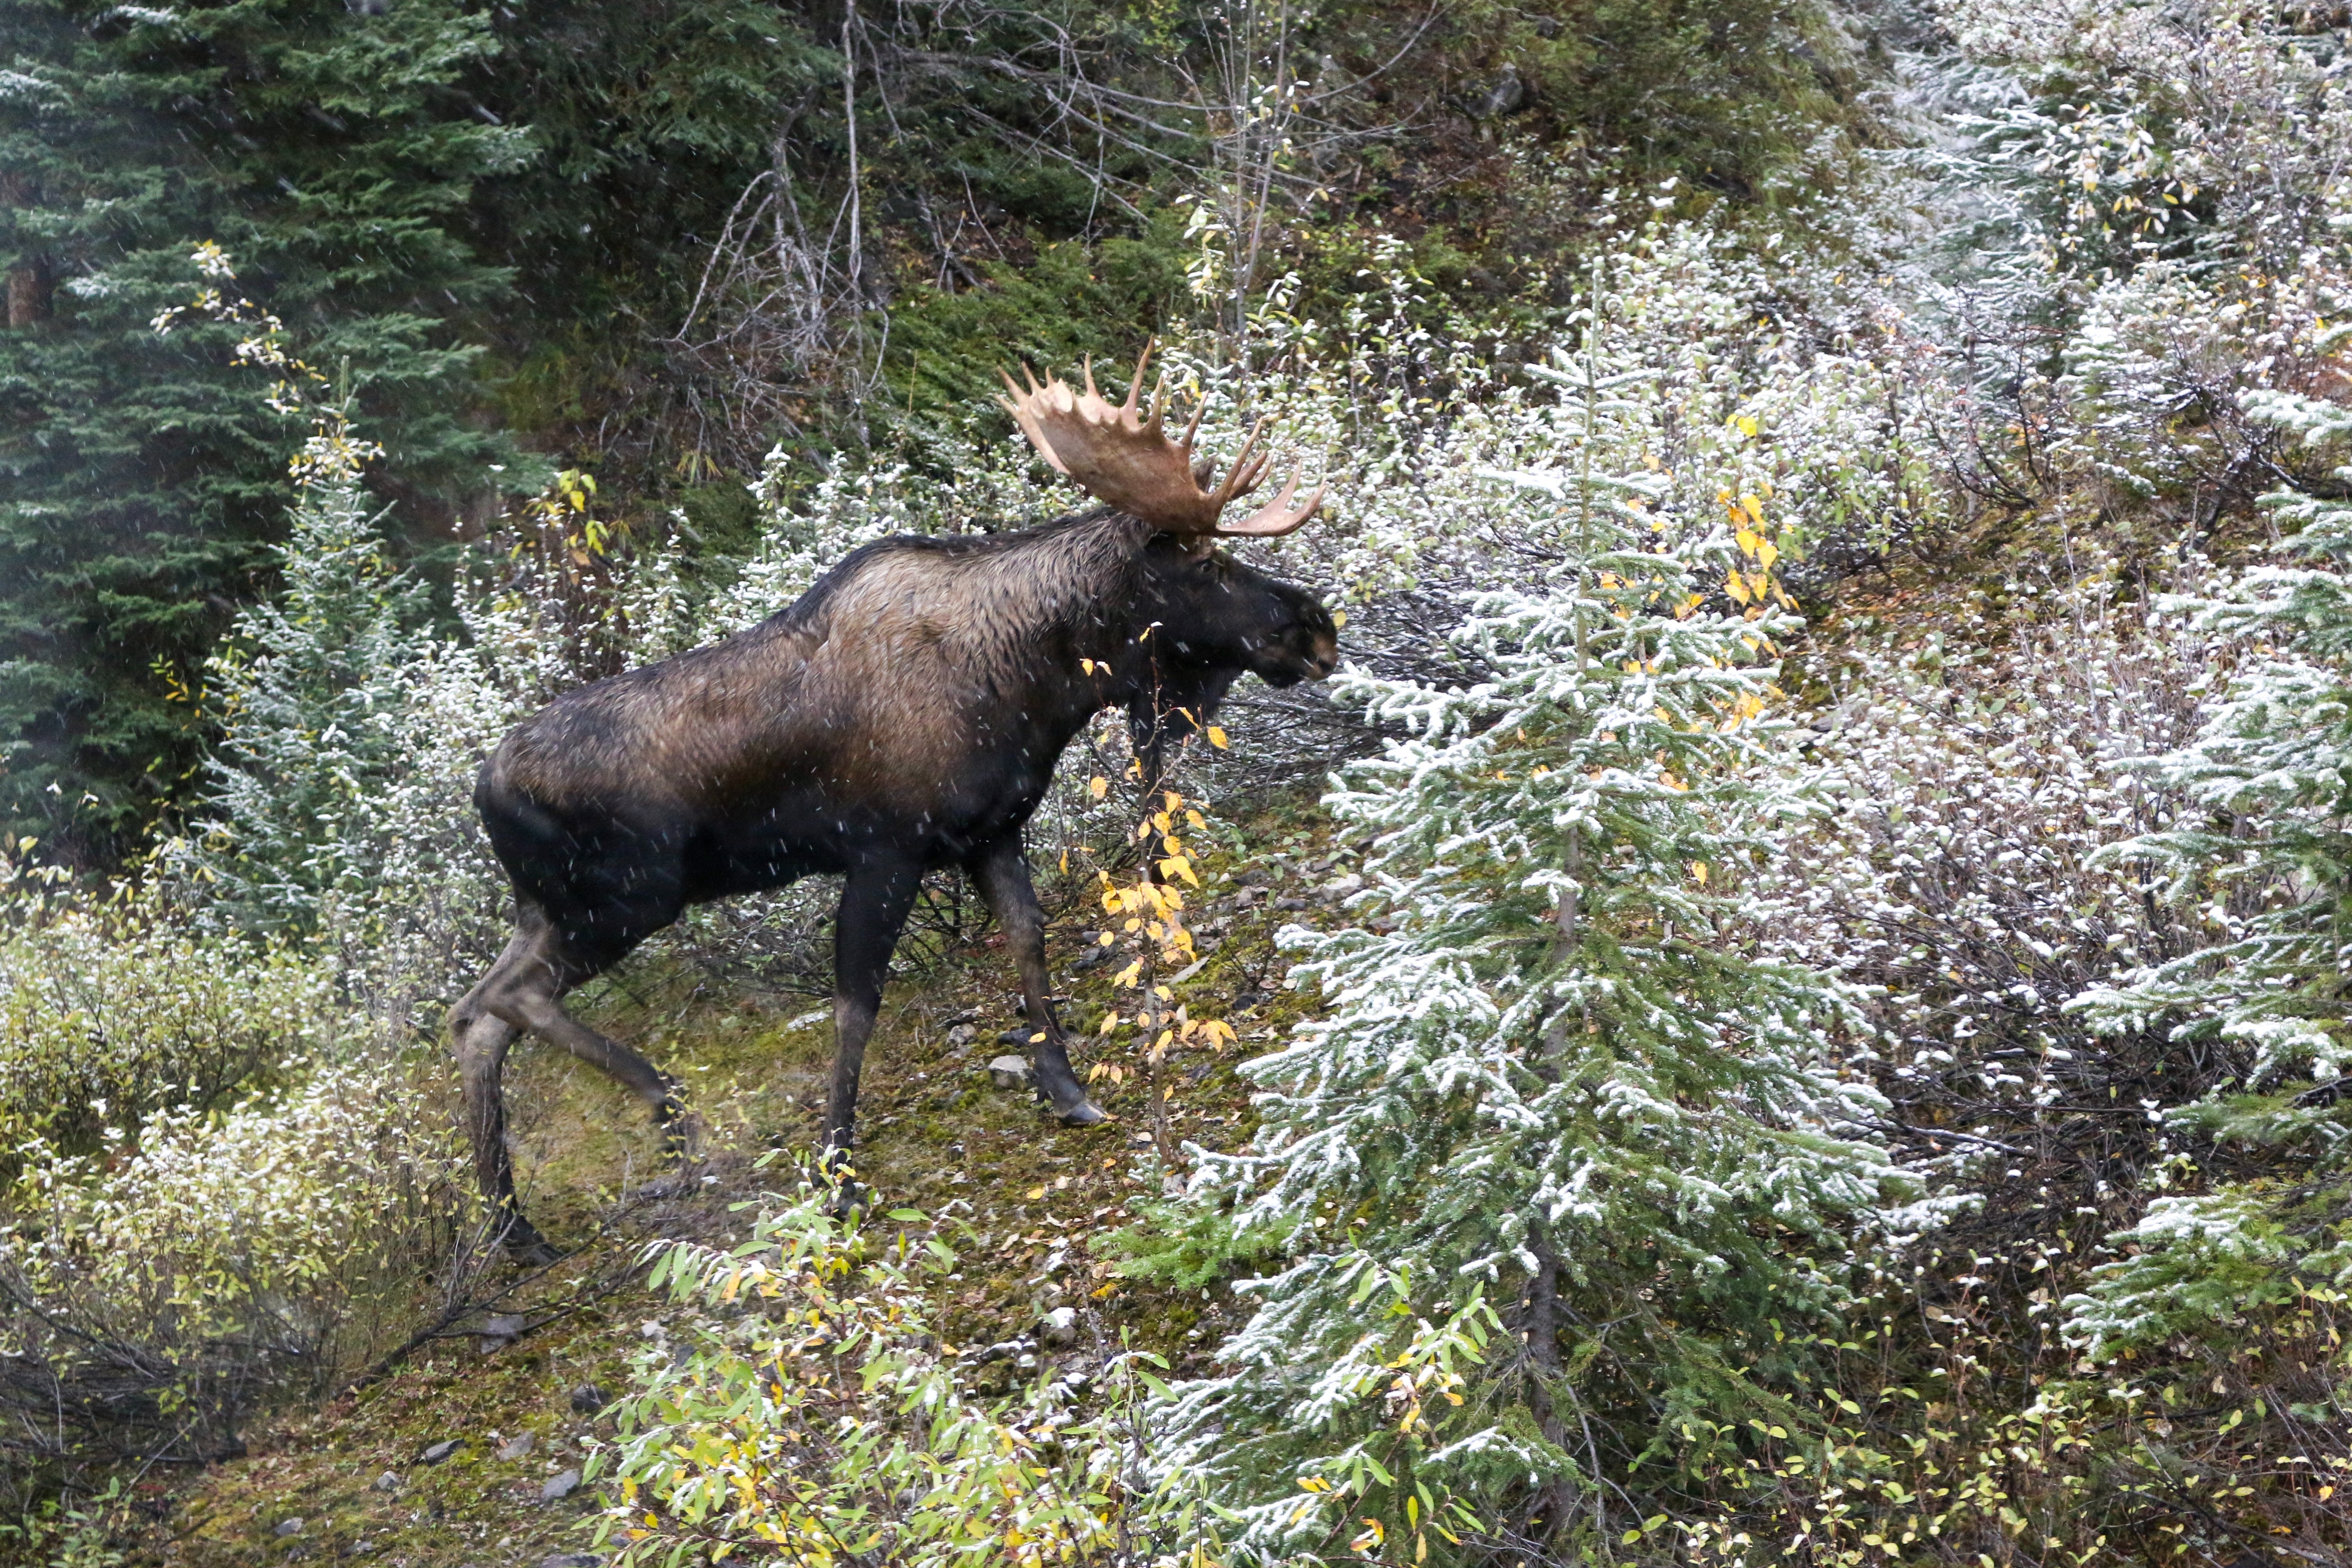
column 1289, row 906
column 569, row 1560
column 439, row 1451
column 387, row 1482
column 287, row 1527
column 1016, row 1037
column 961, row 1036
column 1011, row 1072
column 1059, row 1326
column 1508, row 94
column 560, row 1487
column 518, row 1447
column 587, row 1399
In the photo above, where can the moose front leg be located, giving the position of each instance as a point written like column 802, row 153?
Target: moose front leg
column 874, row 903
column 1002, row 874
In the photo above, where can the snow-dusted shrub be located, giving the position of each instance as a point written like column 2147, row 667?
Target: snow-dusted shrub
column 813, row 1416
column 161, row 1287
column 112, row 1011
column 1970, row 783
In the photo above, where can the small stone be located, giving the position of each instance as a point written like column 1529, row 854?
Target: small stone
column 287, row 1527
column 387, row 1482
column 961, row 1035
column 518, row 1447
column 587, row 1399
column 560, row 1487
column 1011, row 1072
column 439, row 1451
column 1289, row 906
column 1059, row 1326
column 1019, row 1037
column 569, row 1560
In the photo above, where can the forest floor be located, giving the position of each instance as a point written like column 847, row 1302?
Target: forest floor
column 466, row 1452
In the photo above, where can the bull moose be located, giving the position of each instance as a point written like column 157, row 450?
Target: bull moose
column 904, row 715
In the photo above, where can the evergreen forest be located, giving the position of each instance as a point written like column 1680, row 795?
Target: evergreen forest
column 1788, row 1000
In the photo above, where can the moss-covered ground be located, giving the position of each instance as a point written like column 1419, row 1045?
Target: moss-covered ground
column 1027, row 1203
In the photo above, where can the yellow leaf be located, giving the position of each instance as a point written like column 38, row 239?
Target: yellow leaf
column 1736, row 586
column 1698, row 869
column 1195, row 818
column 1173, row 844
column 1098, row 787
column 1767, row 552
column 1087, row 665
column 1746, row 423
column 1129, row 976
column 1036, row 1191
column 1216, row 737
column 1175, row 801
column 1753, row 506
column 1111, row 1022
column 1338, row 617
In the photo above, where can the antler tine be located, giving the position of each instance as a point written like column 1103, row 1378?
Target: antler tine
column 1135, row 382
column 1192, row 429
column 1086, row 367
column 1159, row 405
column 1242, row 477
column 1278, row 516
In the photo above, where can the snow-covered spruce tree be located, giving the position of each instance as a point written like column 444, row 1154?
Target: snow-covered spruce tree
column 1561, row 1164
column 338, row 808
column 304, row 685
column 2261, row 862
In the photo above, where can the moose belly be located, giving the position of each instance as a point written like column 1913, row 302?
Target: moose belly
column 809, row 838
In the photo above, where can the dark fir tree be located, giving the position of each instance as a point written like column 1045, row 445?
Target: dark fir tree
column 142, row 475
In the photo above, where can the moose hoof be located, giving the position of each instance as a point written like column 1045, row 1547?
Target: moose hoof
column 1083, row 1114
column 681, row 1136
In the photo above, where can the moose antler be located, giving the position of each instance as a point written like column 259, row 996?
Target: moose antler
column 1121, row 457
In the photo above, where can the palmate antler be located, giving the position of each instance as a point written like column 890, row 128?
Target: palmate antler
column 1119, row 456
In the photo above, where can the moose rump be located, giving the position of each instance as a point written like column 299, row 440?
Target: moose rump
column 904, row 716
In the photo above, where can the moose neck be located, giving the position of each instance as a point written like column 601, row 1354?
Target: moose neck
column 1091, row 637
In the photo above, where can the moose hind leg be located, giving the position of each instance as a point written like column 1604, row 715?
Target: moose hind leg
column 525, row 994
column 1003, row 876
column 874, row 904
column 482, row 1038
